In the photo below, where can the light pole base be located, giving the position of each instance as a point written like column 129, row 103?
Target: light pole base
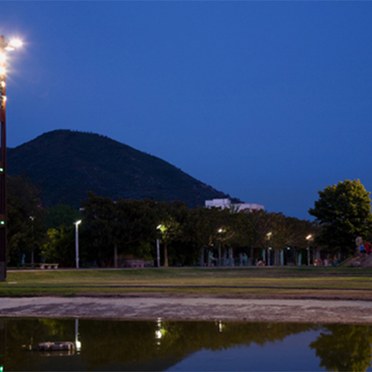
column 2, row 271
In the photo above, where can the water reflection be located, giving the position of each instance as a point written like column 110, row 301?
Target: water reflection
column 162, row 345
column 344, row 348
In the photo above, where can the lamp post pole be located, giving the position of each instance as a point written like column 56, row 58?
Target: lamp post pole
column 268, row 237
column 157, row 252
column 3, row 228
column 4, row 48
column 77, row 223
column 309, row 238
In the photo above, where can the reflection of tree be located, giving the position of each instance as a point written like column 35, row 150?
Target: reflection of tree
column 346, row 348
column 135, row 345
column 139, row 345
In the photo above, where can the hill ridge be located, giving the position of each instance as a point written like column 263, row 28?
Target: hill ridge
column 67, row 164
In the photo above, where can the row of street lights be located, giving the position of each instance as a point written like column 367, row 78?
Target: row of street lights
column 5, row 47
column 308, row 238
column 162, row 228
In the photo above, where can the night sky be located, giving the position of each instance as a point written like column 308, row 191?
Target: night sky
column 267, row 101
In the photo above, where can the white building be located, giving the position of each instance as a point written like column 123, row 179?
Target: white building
column 238, row 207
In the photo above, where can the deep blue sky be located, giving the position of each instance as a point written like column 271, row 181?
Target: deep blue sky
column 267, row 101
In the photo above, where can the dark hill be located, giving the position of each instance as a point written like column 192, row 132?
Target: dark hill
column 66, row 165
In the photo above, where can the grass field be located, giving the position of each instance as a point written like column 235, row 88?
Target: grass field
column 313, row 282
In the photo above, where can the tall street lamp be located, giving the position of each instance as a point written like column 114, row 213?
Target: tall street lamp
column 268, row 237
column 77, row 223
column 5, row 47
column 309, row 238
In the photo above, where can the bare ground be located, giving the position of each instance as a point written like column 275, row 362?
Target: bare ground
column 191, row 308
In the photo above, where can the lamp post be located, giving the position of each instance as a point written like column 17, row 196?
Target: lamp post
column 309, row 238
column 5, row 47
column 77, row 223
column 268, row 237
column 220, row 233
column 163, row 230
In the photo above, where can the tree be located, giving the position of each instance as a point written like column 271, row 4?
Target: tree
column 61, row 215
column 344, row 348
column 59, row 241
column 58, row 246
column 343, row 212
column 25, row 221
column 136, row 222
column 118, row 229
column 99, row 229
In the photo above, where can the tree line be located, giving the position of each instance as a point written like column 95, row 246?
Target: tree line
column 115, row 231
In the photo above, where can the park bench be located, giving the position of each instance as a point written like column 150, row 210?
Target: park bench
column 46, row 266
column 134, row 263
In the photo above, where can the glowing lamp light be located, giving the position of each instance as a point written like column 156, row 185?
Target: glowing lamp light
column 78, row 345
column 16, row 43
column 162, row 228
column 5, row 46
column 13, row 44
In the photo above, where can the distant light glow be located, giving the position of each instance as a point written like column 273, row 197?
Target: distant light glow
column 78, row 345
column 77, row 222
column 2, row 70
column 162, row 228
column 2, row 57
column 3, row 84
column 15, row 43
column 220, row 326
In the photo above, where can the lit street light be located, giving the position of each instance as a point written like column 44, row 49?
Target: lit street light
column 309, row 238
column 268, row 237
column 5, row 47
column 162, row 228
column 77, row 223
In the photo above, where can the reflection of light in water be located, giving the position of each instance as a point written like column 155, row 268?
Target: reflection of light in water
column 78, row 345
column 77, row 342
column 220, row 326
column 159, row 332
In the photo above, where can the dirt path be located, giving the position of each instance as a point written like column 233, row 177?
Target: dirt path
column 149, row 308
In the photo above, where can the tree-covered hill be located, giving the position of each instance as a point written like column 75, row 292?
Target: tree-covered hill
column 66, row 165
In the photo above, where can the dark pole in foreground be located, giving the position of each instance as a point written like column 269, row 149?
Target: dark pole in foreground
column 3, row 227
column 4, row 48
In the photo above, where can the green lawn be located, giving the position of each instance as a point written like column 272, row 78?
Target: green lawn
column 287, row 282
